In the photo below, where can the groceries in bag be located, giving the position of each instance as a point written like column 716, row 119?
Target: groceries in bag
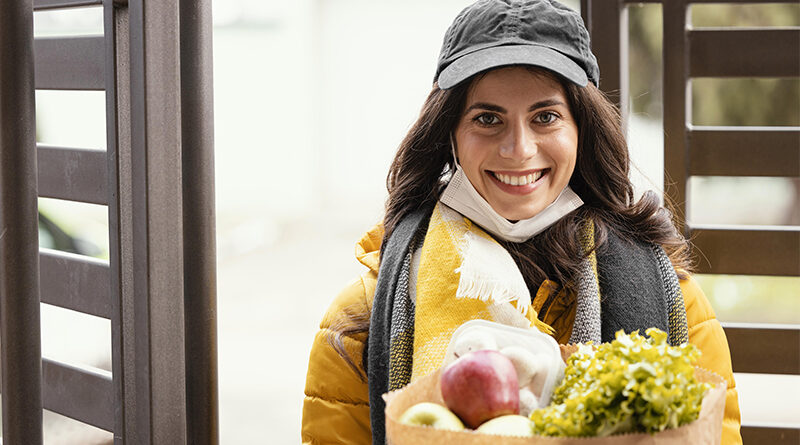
column 654, row 374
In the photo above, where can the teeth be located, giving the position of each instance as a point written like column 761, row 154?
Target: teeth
column 518, row 180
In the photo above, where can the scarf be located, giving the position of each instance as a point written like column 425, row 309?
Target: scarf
column 439, row 270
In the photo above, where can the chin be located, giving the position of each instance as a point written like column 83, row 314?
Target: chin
column 518, row 214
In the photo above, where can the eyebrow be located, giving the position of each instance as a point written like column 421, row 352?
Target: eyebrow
column 499, row 109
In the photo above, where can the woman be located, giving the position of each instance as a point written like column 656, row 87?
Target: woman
column 509, row 200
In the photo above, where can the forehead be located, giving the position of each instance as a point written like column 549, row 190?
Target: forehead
column 514, row 84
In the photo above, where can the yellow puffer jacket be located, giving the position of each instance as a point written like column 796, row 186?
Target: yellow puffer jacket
column 336, row 405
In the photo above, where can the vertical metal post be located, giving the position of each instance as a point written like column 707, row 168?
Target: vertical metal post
column 157, row 223
column 677, row 105
column 607, row 21
column 20, row 330
column 118, row 135
column 199, row 259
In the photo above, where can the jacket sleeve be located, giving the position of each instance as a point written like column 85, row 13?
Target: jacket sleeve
column 336, row 404
column 706, row 333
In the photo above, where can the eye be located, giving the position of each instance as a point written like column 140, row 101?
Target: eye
column 486, row 119
column 546, row 117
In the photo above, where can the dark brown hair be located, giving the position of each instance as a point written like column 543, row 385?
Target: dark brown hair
column 423, row 160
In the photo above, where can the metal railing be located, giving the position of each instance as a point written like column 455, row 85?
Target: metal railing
column 157, row 178
column 720, row 151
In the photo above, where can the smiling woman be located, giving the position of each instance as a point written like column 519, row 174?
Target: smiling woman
column 517, row 140
column 510, row 201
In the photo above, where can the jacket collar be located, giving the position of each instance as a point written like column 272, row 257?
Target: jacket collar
column 368, row 248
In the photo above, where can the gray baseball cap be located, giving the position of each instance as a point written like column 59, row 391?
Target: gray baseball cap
column 493, row 33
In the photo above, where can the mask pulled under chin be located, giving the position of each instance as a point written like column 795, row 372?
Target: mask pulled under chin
column 462, row 197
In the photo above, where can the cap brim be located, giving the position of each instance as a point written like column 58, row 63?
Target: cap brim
column 497, row 56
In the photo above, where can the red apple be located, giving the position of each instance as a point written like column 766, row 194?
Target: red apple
column 479, row 386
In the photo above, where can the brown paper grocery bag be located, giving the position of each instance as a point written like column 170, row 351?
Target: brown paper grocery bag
column 707, row 429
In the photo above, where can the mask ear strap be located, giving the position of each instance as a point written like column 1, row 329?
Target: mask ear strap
column 453, row 149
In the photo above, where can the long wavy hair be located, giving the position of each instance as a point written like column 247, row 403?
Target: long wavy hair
column 424, row 161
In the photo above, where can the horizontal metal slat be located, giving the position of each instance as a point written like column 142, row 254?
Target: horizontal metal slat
column 69, row 63
column 41, row 5
column 773, row 435
column 764, row 348
column 744, row 151
column 744, row 52
column 75, row 282
column 73, row 174
column 748, row 250
column 83, row 394
column 711, row 1
column 738, row 1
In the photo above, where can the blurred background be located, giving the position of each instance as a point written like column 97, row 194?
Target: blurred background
column 312, row 97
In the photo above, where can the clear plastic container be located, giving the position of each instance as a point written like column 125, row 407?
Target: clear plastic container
column 535, row 354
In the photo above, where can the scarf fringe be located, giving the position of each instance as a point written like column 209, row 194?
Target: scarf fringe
column 544, row 327
column 488, row 273
column 477, row 286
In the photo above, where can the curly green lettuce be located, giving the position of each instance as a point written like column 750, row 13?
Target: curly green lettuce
column 632, row 384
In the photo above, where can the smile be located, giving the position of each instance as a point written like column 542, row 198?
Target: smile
column 519, row 180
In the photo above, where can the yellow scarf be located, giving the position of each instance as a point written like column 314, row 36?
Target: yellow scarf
column 463, row 274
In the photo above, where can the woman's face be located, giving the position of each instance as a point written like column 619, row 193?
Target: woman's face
column 517, row 140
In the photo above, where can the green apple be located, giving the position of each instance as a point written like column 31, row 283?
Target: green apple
column 432, row 414
column 509, row 425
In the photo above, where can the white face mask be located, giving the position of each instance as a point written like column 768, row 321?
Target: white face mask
column 461, row 196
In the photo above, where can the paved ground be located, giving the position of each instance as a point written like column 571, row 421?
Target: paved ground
column 270, row 305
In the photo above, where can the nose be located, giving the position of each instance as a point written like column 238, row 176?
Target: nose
column 520, row 143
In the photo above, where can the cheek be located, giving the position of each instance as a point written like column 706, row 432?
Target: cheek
column 470, row 154
column 471, row 164
column 566, row 151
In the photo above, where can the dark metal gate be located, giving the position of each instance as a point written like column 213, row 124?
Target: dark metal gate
column 720, row 151
column 157, row 178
